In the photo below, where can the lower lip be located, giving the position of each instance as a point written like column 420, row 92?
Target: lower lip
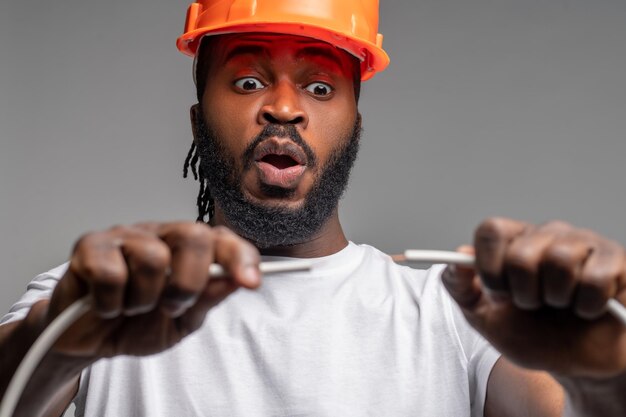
column 284, row 178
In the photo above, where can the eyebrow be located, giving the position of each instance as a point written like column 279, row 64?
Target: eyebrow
column 319, row 52
column 309, row 51
column 246, row 50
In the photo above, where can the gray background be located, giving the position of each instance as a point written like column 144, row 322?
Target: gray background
column 515, row 108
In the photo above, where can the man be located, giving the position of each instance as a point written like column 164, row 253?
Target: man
column 276, row 131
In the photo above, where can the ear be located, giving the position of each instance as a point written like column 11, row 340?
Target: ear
column 195, row 113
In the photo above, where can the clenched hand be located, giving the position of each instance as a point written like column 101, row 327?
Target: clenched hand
column 149, row 285
column 539, row 294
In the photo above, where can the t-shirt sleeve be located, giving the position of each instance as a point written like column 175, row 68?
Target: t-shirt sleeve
column 480, row 356
column 39, row 288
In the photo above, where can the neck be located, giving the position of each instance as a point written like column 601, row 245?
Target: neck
column 330, row 239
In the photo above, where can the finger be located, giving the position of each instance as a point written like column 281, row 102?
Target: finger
column 462, row 282
column 148, row 259
column 239, row 257
column 491, row 241
column 98, row 261
column 560, row 269
column 230, row 251
column 522, row 261
column 150, row 227
column 213, row 294
column 599, row 280
column 192, row 251
column 240, row 260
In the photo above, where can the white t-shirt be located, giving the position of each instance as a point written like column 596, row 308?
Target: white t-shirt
column 357, row 336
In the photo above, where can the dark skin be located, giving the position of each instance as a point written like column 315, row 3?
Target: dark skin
column 153, row 276
column 285, row 79
column 538, row 294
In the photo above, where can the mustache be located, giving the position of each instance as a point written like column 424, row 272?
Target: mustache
column 279, row 131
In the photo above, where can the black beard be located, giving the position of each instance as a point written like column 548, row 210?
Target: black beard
column 276, row 226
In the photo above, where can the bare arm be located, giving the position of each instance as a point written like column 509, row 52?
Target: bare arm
column 590, row 397
column 538, row 295
column 517, row 392
column 55, row 382
column 149, row 289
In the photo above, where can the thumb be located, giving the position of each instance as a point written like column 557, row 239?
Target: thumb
column 463, row 283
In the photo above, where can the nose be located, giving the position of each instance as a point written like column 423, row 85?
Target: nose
column 283, row 106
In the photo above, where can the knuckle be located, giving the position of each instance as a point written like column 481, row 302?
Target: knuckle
column 184, row 236
column 196, row 230
column 226, row 236
column 155, row 256
column 612, row 248
column 561, row 255
column 147, row 226
column 120, row 229
column 588, row 235
column 520, row 257
column 557, row 226
column 497, row 231
column 88, row 241
column 194, row 233
column 222, row 230
column 104, row 273
column 605, row 269
column 491, row 229
column 617, row 247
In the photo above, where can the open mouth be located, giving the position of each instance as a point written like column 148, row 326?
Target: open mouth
column 280, row 163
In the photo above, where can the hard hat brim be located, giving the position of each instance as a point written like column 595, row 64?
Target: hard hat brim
column 373, row 58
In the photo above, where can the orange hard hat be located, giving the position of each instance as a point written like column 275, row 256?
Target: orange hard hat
column 351, row 25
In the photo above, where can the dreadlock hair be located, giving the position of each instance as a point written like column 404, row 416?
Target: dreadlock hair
column 205, row 200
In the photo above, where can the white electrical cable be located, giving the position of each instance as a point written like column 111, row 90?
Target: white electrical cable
column 76, row 310
column 445, row 257
column 617, row 310
column 37, row 351
column 438, row 257
column 216, row 270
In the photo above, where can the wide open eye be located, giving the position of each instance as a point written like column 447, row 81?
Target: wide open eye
column 319, row 89
column 249, row 84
